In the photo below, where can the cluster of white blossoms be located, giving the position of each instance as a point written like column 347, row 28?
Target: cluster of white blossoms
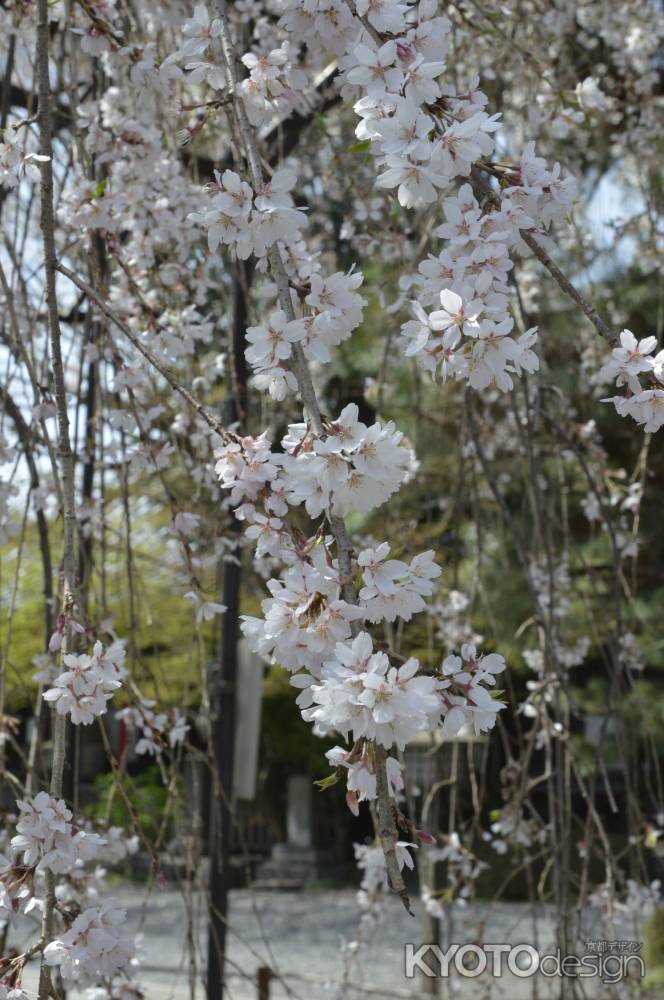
column 200, row 32
column 269, row 347
column 89, row 682
column 305, row 617
column 15, row 162
column 451, row 615
column 46, row 837
column 420, row 154
column 513, row 826
column 393, row 588
column 272, row 85
column 93, row 948
column 425, row 134
column 464, row 690
column 627, row 365
column 247, row 468
column 158, row 729
column 354, row 468
column 469, row 337
column 462, row 869
column 117, row 844
column 247, row 220
column 334, row 310
column 361, row 693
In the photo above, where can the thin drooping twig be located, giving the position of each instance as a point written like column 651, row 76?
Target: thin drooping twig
column 18, row 346
column 386, row 822
column 27, row 440
column 93, row 296
column 568, row 288
column 528, row 237
column 65, row 455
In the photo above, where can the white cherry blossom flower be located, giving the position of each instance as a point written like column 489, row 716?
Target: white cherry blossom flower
column 94, row 947
column 376, row 71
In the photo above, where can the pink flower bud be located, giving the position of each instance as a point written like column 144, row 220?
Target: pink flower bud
column 55, row 641
column 352, row 803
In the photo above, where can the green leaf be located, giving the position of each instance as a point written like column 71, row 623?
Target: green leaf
column 99, row 190
column 359, row 147
column 325, row 783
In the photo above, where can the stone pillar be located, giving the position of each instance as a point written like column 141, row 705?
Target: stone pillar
column 298, row 817
column 293, row 864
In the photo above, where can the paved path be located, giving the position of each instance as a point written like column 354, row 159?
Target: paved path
column 301, row 934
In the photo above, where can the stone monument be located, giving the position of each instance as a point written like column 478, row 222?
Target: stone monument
column 293, row 864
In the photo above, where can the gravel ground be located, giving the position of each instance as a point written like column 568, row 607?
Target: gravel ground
column 300, row 935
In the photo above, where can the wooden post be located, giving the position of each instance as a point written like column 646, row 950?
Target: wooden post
column 222, row 695
column 263, row 979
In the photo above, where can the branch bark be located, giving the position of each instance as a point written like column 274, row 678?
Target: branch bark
column 568, row 288
column 65, row 455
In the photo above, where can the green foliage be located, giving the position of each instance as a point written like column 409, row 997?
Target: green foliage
column 165, row 662
column 359, row 147
column 100, row 189
column 653, row 951
column 146, row 793
column 324, row 783
column 288, row 739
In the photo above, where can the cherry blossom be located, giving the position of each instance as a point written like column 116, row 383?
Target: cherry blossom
column 94, row 947
column 46, row 837
column 626, row 365
column 467, row 701
column 371, row 698
column 629, row 360
column 375, row 70
column 158, row 729
column 361, row 778
column 488, row 195
column 394, row 588
column 205, row 610
column 88, row 683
